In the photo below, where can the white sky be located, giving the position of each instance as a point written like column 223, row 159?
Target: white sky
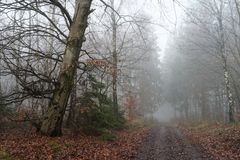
column 166, row 13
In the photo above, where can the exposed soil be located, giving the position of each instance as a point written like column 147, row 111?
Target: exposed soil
column 169, row 143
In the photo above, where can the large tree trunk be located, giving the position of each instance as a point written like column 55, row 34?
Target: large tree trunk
column 73, row 103
column 52, row 122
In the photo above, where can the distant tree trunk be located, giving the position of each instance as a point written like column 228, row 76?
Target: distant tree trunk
column 17, row 87
column 225, row 68
column 238, row 10
column 205, row 110
column 229, row 95
column 115, row 60
column 218, row 104
column 197, row 113
column 236, row 91
column 51, row 43
column 175, row 110
column 186, row 109
column 52, row 122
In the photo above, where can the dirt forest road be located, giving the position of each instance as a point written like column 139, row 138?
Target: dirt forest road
column 169, row 143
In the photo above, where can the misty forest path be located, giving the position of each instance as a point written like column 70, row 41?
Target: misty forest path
column 169, row 143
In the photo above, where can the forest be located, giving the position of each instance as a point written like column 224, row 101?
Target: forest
column 119, row 79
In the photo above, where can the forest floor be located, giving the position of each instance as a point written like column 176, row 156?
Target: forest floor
column 19, row 145
column 161, row 142
column 219, row 140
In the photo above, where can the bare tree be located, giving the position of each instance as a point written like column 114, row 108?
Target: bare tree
column 52, row 122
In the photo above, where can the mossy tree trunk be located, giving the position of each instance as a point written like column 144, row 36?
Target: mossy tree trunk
column 52, row 121
column 73, row 103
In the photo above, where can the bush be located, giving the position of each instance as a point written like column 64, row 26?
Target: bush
column 96, row 114
column 107, row 136
column 4, row 112
column 100, row 117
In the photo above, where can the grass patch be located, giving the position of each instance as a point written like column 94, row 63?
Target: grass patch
column 68, row 143
column 107, row 136
column 142, row 123
column 55, row 147
column 4, row 155
column 200, row 126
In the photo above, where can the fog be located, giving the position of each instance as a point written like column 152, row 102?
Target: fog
column 165, row 113
column 176, row 60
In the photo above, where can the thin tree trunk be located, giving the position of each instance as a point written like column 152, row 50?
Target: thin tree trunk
column 52, row 122
column 186, row 109
column 205, row 110
column 235, row 88
column 115, row 60
column 229, row 95
column 225, row 69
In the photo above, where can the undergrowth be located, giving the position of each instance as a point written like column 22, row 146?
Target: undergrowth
column 4, row 155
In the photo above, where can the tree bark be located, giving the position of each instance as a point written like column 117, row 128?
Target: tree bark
column 73, row 103
column 229, row 95
column 52, row 121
